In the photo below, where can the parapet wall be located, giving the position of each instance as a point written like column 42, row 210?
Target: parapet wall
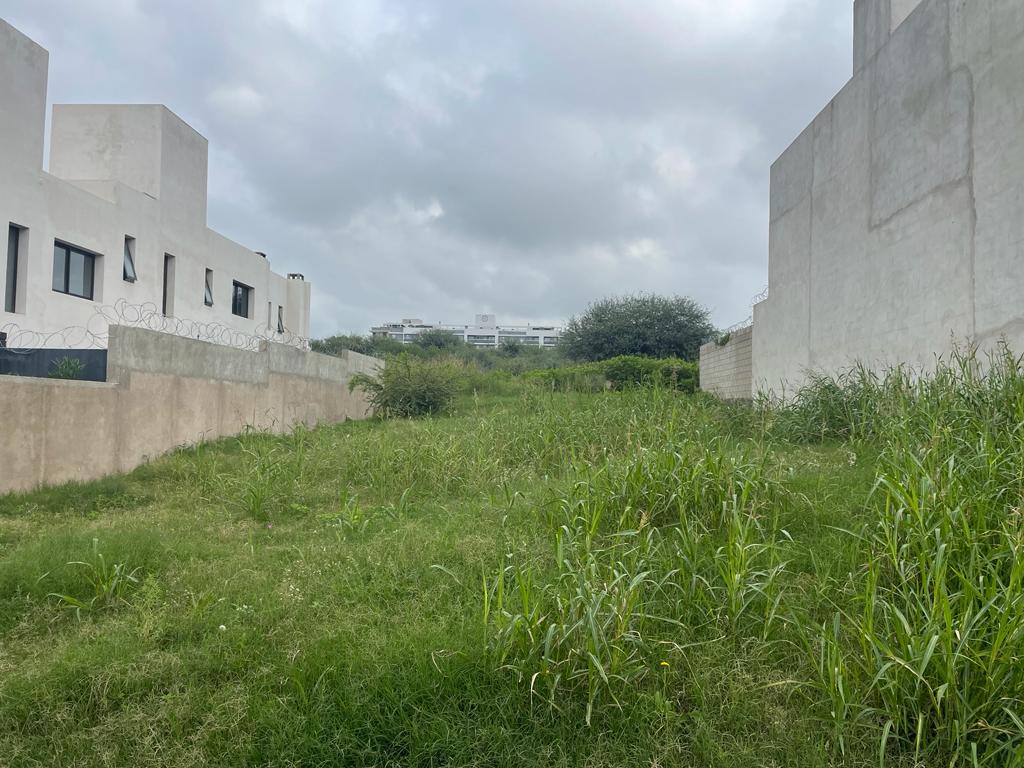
column 725, row 370
column 163, row 392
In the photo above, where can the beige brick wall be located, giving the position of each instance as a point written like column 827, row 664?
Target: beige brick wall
column 726, row 370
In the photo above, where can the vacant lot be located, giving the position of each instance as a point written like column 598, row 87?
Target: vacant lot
column 542, row 579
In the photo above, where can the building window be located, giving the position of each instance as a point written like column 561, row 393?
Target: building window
column 11, row 286
column 74, row 271
column 168, row 298
column 280, row 319
column 208, row 290
column 241, row 299
column 128, row 271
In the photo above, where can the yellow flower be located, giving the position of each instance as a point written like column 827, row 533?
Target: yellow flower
column 664, row 664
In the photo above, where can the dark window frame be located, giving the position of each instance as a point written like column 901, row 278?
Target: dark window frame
column 88, row 257
column 167, row 306
column 208, row 288
column 280, row 319
column 128, row 271
column 11, row 268
column 240, row 292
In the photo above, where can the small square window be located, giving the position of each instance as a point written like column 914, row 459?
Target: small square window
column 129, row 260
column 208, row 291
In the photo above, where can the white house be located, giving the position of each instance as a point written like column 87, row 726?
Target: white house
column 116, row 231
column 485, row 332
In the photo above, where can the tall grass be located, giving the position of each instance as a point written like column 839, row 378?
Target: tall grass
column 646, row 553
column 831, row 580
column 927, row 659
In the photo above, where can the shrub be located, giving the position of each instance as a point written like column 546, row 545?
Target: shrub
column 408, row 387
column 621, row 373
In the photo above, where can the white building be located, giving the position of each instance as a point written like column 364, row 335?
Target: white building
column 485, row 332
column 116, row 231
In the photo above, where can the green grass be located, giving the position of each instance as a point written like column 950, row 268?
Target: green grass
column 540, row 579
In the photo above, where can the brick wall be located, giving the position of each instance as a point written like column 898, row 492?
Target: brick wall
column 726, row 370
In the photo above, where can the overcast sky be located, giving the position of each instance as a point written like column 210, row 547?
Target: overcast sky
column 439, row 158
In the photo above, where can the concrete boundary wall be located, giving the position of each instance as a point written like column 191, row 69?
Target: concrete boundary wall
column 726, row 370
column 163, row 392
column 897, row 216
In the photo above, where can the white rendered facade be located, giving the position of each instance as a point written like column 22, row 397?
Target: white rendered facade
column 122, row 177
column 485, row 332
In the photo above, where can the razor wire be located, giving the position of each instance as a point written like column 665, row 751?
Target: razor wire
column 95, row 334
column 749, row 321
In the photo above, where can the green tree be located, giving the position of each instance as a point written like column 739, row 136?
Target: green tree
column 510, row 348
column 438, row 339
column 645, row 324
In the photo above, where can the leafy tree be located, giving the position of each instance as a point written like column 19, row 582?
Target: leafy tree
column 646, row 325
column 510, row 348
column 438, row 339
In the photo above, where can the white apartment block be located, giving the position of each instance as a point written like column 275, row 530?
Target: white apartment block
column 485, row 332
column 118, row 224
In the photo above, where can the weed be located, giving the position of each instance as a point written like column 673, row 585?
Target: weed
column 108, row 584
column 67, row 367
column 263, row 479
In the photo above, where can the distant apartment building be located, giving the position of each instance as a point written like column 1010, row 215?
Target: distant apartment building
column 118, row 224
column 485, row 332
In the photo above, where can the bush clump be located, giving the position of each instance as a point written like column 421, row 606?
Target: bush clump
column 620, row 373
column 408, row 387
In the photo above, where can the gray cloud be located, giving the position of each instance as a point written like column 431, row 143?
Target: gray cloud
column 436, row 158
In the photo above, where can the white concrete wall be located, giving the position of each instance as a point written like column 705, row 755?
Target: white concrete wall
column 163, row 392
column 725, row 370
column 117, row 171
column 897, row 216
